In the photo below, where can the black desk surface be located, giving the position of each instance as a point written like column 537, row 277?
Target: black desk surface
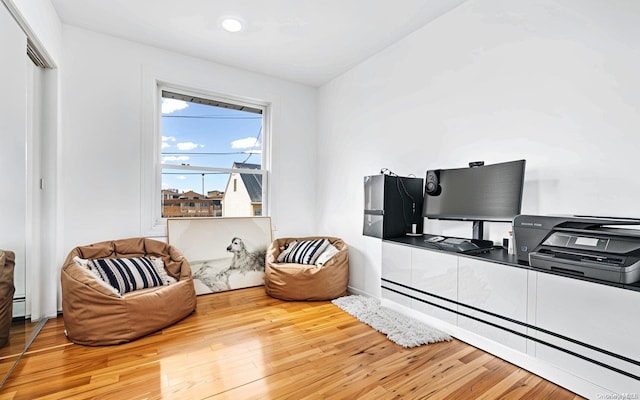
column 498, row 255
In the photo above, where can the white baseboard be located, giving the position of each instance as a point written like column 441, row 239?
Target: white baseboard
column 19, row 308
column 352, row 290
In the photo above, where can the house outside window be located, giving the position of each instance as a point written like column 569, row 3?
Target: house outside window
column 246, row 197
column 206, row 142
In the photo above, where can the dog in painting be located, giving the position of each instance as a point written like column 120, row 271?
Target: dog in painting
column 244, row 260
column 216, row 278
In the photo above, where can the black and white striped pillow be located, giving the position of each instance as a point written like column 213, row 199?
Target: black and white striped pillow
column 305, row 252
column 287, row 249
column 126, row 274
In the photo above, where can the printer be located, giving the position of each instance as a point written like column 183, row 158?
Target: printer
column 586, row 246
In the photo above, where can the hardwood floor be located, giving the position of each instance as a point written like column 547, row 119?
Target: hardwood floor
column 245, row 345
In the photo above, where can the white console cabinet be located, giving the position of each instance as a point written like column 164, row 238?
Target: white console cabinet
column 580, row 334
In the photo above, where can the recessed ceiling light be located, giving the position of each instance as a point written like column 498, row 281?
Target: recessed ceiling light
column 231, row 24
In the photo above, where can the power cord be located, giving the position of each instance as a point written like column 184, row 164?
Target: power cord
column 402, row 189
column 387, row 171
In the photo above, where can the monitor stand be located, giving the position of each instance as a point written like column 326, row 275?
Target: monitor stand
column 478, row 230
column 478, row 234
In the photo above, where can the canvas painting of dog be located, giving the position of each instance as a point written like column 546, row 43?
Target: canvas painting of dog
column 224, row 253
column 239, row 272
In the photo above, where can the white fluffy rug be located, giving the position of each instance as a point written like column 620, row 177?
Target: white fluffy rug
column 399, row 328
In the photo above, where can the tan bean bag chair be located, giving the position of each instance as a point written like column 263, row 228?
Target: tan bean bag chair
column 94, row 314
column 290, row 281
column 7, row 289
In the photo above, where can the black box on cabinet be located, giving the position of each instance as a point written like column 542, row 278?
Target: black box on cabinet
column 392, row 206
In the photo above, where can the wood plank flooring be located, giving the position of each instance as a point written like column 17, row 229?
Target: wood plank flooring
column 243, row 344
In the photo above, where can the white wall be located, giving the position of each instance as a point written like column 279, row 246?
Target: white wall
column 42, row 25
column 13, row 127
column 555, row 83
column 103, row 126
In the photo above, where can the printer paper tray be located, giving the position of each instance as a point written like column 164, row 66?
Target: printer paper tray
column 610, row 273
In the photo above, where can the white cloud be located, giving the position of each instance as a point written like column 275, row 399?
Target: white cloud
column 166, row 139
column 171, row 105
column 181, row 177
column 246, row 143
column 175, row 158
column 188, row 145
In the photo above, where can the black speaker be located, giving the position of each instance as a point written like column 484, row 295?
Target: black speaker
column 432, row 186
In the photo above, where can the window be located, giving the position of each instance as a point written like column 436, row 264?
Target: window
column 211, row 150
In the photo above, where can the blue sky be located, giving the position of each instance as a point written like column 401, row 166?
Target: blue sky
column 202, row 135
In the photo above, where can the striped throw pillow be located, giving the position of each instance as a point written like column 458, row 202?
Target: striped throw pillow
column 126, row 274
column 305, row 252
column 285, row 252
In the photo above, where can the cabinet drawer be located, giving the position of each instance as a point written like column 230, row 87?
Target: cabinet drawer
column 496, row 288
column 598, row 315
column 435, row 275
column 490, row 293
column 396, row 263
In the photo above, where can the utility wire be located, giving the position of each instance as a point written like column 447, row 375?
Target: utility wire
column 205, row 154
column 196, row 173
column 209, row 117
column 254, row 146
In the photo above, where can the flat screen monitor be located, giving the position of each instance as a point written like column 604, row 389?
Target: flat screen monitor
column 482, row 193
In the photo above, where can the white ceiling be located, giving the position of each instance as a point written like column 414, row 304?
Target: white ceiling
column 307, row 41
